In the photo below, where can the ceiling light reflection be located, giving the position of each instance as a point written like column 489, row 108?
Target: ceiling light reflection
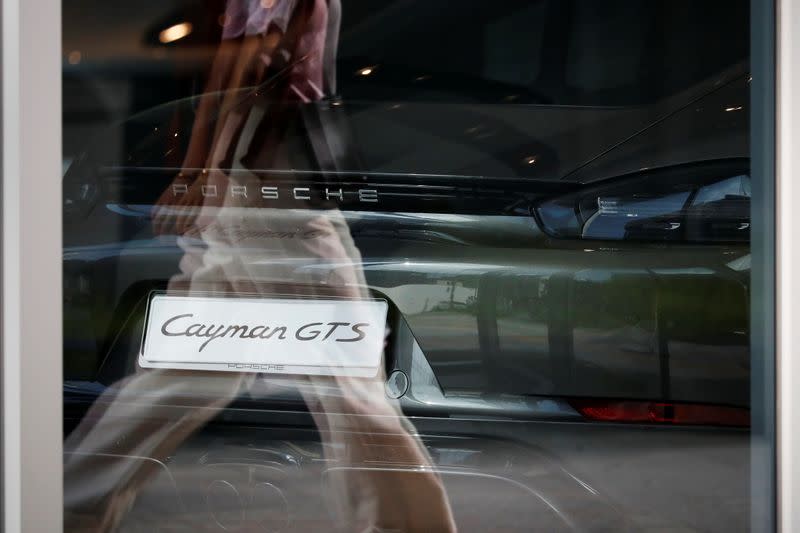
column 174, row 33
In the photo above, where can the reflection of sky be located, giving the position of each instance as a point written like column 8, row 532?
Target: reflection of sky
column 633, row 207
column 736, row 186
column 694, row 271
column 741, row 264
column 615, row 213
column 602, row 276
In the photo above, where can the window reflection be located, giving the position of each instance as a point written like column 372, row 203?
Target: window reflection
column 549, row 199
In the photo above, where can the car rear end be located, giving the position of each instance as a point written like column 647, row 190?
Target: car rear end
column 564, row 275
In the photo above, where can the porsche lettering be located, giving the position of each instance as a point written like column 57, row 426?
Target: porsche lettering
column 334, row 194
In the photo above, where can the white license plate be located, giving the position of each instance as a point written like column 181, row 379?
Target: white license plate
column 281, row 336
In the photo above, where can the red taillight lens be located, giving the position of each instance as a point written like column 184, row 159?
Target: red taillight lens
column 661, row 412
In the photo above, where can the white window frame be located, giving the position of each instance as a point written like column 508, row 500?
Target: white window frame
column 787, row 168
column 31, row 336
column 30, row 295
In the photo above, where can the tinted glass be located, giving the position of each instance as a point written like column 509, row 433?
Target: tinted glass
column 409, row 265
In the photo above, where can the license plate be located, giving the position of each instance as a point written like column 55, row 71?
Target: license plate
column 276, row 336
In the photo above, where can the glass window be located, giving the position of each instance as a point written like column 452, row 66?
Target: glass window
column 407, row 265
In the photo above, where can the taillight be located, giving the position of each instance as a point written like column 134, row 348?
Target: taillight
column 661, row 412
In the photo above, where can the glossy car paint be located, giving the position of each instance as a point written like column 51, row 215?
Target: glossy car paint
column 496, row 324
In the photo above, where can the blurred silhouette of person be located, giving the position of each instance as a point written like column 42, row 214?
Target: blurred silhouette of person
column 261, row 114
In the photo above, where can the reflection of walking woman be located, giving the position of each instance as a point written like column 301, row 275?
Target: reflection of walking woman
column 293, row 43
